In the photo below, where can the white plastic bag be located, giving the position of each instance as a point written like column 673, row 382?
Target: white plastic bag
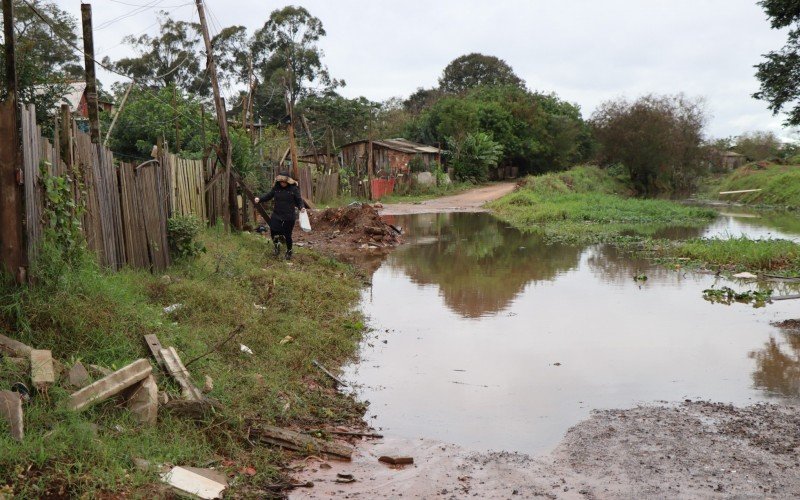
column 305, row 224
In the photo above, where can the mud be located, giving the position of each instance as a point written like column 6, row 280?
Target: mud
column 692, row 450
column 470, row 201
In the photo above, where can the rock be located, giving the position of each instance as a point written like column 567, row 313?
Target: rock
column 78, row 376
column 163, row 398
column 396, row 460
column 11, row 410
column 286, row 340
column 208, row 386
column 171, row 309
column 245, row 349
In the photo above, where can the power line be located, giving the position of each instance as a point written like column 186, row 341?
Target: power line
column 130, row 13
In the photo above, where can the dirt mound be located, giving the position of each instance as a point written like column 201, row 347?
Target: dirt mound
column 355, row 226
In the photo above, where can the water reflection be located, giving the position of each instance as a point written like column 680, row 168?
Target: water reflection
column 778, row 364
column 479, row 264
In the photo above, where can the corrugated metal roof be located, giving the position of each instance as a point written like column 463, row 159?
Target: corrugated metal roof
column 402, row 145
column 73, row 98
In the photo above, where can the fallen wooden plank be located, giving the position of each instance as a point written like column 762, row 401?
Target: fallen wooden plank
column 740, row 191
column 155, row 349
column 11, row 410
column 42, row 372
column 110, row 385
column 176, row 370
column 785, row 297
column 299, row 442
column 329, row 374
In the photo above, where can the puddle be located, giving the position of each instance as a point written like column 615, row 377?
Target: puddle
column 497, row 341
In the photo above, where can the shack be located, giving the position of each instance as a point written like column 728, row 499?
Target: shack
column 725, row 161
column 390, row 157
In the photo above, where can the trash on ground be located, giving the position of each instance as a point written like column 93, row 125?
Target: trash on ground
column 203, row 483
column 286, row 339
column 745, row 276
column 175, row 368
column 245, row 349
column 345, row 478
column 143, row 401
column 171, row 309
column 299, row 442
column 329, row 374
column 208, row 385
column 42, row 371
column 396, row 460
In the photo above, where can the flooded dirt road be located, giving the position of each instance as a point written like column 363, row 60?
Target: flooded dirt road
column 491, row 350
column 469, row 201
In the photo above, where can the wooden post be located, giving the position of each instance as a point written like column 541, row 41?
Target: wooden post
column 65, row 137
column 177, row 122
column 222, row 119
column 370, row 173
column 91, row 80
column 13, row 252
column 292, row 142
column 311, row 140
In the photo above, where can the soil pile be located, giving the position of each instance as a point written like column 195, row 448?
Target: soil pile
column 354, row 227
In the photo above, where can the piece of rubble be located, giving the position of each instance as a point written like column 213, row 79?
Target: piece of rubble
column 11, row 410
column 245, row 349
column 143, row 401
column 745, row 276
column 110, row 385
column 15, row 347
column 208, row 485
column 208, row 386
column 163, row 398
column 100, row 371
column 396, row 460
column 171, row 309
column 42, row 371
column 79, row 376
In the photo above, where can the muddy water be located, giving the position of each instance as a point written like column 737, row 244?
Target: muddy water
column 490, row 339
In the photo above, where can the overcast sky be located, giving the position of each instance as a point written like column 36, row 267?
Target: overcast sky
column 586, row 51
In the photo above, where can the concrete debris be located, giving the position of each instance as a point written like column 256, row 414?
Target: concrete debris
column 245, row 349
column 396, row 460
column 143, row 401
column 208, row 386
column 14, row 347
column 42, row 371
column 174, row 366
column 163, row 398
column 110, row 385
column 188, row 480
column 286, row 339
column 171, row 309
column 79, row 376
column 100, row 371
column 11, row 410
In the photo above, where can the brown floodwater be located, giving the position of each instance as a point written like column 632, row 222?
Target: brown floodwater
column 493, row 340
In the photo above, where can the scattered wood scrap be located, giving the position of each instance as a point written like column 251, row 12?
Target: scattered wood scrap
column 110, row 385
column 299, row 442
column 154, row 345
column 740, row 191
column 329, row 374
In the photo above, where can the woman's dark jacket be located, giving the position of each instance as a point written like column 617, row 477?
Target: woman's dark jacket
column 286, row 199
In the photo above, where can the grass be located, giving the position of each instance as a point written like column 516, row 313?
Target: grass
column 586, row 204
column 779, row 184
column 85, row 313
column 736, row 254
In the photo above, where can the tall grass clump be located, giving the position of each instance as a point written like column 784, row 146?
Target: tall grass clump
column 779, row 185
column 740, row 253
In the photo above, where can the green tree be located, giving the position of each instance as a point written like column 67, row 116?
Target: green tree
column 46, row 62
column 476, row 70
column 779, row 72
column 657, row 138
column 759, row 145
column 474, row 155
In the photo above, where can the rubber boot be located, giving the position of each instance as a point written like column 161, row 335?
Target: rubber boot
column 277, row 250
column 288, row 255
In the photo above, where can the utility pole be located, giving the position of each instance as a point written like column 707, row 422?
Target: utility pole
column 177, row 122
column 232, row 214
column 91, row 79
column 290, row 112
column 13, row 253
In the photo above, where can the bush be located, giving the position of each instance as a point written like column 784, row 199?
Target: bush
column 474, row 156
column 182, row 231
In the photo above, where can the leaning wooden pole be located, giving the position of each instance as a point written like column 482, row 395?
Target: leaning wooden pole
column 231, row 214
column 91, row 78
column 13, row 252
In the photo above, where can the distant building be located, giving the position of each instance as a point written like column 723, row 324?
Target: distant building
column 78, row 103
column 390, row 157
column 728, row 160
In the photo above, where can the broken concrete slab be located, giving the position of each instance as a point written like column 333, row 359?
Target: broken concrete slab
column 42, row 371
column 174, row 366
column 110, row 385
column 189, row 481
column 79, row 376
column 143, row 401
column 14, row 347
column 100, row 371
column 11, row 410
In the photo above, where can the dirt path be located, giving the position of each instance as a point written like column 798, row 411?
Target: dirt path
column 470, row 201
column 693, row 450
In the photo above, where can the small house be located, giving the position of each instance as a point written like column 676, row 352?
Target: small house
column 725, row 161
column 78, row 102
column 390, row 157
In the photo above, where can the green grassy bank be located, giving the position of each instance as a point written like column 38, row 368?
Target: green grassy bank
column 779, row 185
column 591, row 205
column 587, row 204
column 99, row 318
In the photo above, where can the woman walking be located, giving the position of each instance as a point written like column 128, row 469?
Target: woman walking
column 287, row 197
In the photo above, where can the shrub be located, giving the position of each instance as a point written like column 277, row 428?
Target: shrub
column 182, row 231
column 474, row 156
